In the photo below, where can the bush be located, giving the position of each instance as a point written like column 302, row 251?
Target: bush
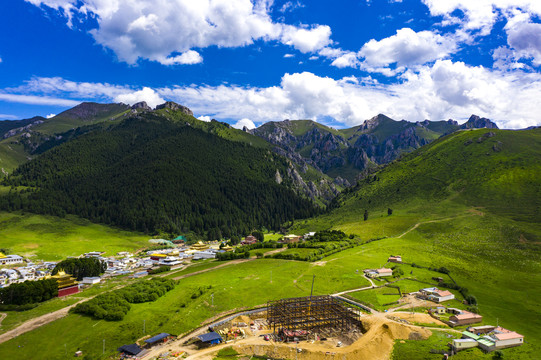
column 29, row 292
column 161, row 269
column 81, row 267
column 115, row 305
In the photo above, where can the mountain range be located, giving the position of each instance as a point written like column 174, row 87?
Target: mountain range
column 323, row 160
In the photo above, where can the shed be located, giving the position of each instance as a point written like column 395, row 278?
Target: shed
column 132, row 349
column 211, row 338
column 157, row 338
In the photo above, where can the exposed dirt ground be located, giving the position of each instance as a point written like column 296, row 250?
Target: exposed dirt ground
column 375, row 344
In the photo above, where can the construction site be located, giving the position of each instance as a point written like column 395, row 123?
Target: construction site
column 321, row 316
column 308, row 328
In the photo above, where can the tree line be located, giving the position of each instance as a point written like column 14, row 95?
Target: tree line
column 29, row 292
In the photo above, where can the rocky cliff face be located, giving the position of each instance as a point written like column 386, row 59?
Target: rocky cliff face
column 349, row 152
column 169, row 105
column 476, row 122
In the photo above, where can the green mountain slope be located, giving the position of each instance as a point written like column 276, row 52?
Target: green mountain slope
column 21, row 138
column 151, row 174
column 495, row 169
column 470, row 202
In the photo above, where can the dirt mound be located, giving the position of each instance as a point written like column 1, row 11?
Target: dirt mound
column 375, row 344
column 415, row 318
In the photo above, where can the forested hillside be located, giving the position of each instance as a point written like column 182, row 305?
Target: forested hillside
column 151, row 174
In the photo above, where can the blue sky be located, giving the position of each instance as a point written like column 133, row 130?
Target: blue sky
column 247, row 62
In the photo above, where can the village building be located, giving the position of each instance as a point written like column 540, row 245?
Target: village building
column 437, row 295
column 67, row 285
column 249, row 240
column 395, row 259
column 207, row 254
column 465, row 318
column 308, row 235
column 291, row 238
column 94, row 254
column 496, row 339
column 374, row 273
column 461, row 344
column 440, row 310
column 179, row 240
column 200, row 246
column 483, row 329
column 10, row 259
column 170, row 261
column 91, row 280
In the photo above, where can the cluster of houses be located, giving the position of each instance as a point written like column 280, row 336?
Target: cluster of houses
column 30, row 271
column 457, row 317
column 488, row 338
column 122, row 264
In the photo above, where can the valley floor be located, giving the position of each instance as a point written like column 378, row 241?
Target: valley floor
column 495, row 258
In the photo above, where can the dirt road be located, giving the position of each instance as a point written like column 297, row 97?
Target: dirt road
column 233, row 262
column 36, row 322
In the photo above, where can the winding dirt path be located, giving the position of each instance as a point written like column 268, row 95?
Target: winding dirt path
column 34, row 323
column 232, row 262
column 432, row 221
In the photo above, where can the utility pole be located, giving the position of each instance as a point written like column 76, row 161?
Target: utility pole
column 103, row 346
column 212, row 298
column 271, row 276
column 312, row 291
column 144, row 327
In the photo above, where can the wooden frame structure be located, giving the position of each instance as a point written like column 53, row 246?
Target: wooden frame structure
column 311, row 312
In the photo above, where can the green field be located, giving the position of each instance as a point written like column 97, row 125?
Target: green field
column 377, row 298
column 52, row 238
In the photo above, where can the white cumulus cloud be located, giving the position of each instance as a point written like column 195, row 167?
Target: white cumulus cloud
column 155, row 30
column 440, row 90
column 307, row 40
column 146, row 94
column 480, row 14
column 204, row 118
column 407, row 48
column 242, row 123
column 190, row 57
column 50, row 116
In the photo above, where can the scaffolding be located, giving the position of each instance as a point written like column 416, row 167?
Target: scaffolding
column 311, row 313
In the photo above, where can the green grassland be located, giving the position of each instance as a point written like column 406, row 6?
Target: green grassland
column 453, row 206
column 470, row 202
column 377, row 298
column 243, row 285
column 53, row 238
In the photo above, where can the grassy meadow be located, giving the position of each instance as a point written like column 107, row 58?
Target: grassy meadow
column 52, row 238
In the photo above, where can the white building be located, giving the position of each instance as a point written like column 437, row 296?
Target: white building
column 11, row 259
column 437, row 295
column 461, row 344
column 206, row 254
column 91, row 280
column 170, row 261
column 373, row 273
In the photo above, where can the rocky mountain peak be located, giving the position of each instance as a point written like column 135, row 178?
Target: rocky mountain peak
column 175, row 107
column 477, row 122
column 372, row 123
column 141, row 106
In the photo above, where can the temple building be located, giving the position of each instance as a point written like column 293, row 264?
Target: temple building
column 67, row 285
